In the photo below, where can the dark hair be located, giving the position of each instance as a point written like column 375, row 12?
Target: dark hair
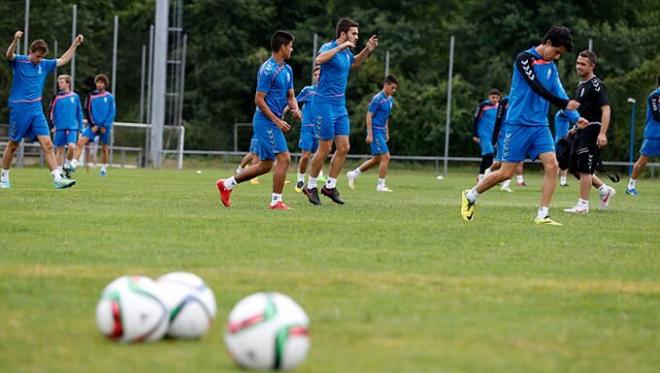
column 494, row 91
column 39, row 46
column 390, row 79
column 317, row 67
column 279, row 39
column 589, row 55
column 345, row 24
column 102, row 77
column 559, row 36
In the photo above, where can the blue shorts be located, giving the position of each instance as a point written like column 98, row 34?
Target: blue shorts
column 518, row 141
column 27, row 123
column 64, row 137
column 254, row 144
column 103, row 138
column 486, row 146
column 270, row 138
column 379, row 143
column 651, row 148
column 332, row 120
column 309, row 138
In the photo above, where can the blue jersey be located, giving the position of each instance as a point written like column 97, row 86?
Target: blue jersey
column 534, row 85
column 65, row 112
column 305, row 99
column 484, row 120
column 100, row 108
column 275, row 81
column 334, row 75
column 652, row 129
column 380, row 106
column 28, row 82
column 561, row 125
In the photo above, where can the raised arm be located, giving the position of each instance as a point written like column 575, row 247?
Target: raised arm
column 372, row 43
column 11, row 50
column 68, row 55
column 326, row 56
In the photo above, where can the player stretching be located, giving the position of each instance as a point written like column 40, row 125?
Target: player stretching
column 651, row 144
column 26, row 116
column 309, row 141
column 484, row 125
column 595, row 108
column 101, row 111
column 65, row 114
column 534, row 85
column 274, row 91
column 561, row 130
column 336, row 61
column 378, row 134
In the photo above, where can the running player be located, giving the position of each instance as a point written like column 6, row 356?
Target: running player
column 274, row 91
column 309, row 140
column 484, row 125
column 101, row 111
column 534, row 85
column 651, row 144
column 378, row 134
column 336, row 61
column 591, row 93
column 561, row 130
column 66, row 116
column 26, row 115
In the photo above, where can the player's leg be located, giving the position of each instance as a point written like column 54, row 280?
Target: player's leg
column 341, row 128
column 59, row 181
column 302, row 169
column 351, row 176
column 19, row 124
column 105, row 151
column 520, row 179
column 282, row 161
column 605, row 191
column 486, row 162
column 84, row 139
column 326, row 134
column 7, row 157
column 637, row 170
column 59, row 156
column 382, row 173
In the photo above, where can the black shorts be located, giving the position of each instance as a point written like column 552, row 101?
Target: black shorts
column 585, row 154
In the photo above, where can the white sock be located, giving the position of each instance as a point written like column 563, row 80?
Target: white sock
column 543, row 212
column 357, row 172
column 74, row 163
column 5, row 174
column 520, row 179
column 381, row 182
column 311, row 182
column 506, row 183
column 331, row 183
column 603, row 189
column 320, row 173
column 487, row 172
column 57, row 174
column 301, row 177
column 562, row 180
column 67, row 163
column 583, row 203
column 631, row 184
column 275, row 198
column 231, row 183
column 472, row 195
column 239, row 170
column 481, row 177
column 104, row 166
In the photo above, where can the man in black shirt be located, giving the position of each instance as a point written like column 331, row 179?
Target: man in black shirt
column 585, row 154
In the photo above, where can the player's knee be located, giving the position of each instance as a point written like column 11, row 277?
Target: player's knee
column 552, row 167
column 385, row 158
column 47, row 146
column 343, row 147
column 507, row 173
column 12, row 145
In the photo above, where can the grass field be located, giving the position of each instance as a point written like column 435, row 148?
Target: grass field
column 391, row 282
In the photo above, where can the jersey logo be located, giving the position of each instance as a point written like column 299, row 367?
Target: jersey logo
column 105, row 99
column 582, row 92
column 39, row 70
column 528, row 69
column 596, row 86
column 549, row 74
column 72, row 100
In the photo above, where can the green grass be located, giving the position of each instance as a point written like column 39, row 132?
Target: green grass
column 391, row 282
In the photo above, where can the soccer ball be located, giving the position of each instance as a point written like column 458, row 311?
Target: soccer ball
column 190, row 302
column 131, row 310
column 267, row 331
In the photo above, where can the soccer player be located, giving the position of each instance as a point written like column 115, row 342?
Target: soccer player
column 378, row 134
column 484, row 125
column 309, row 141
column 26, row 116
column 534, row 85
column 66, row 116
column 591, row 93
column 561, row 130
column 336, row 61
column 651, row 144
column 100, row 107
column 274, row 91
column 502, row 107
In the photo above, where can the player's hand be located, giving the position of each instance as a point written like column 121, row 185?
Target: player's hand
column 296, row 114
column 582, row 123
column 284, row 126
column 79, row 40
column 94, row 129
column 602, row 140
column 52, row 130
column 572, row 105
column 372, row 43
column 475, row 139
column 18, row 35
column 347, row 44
column 102, row 130
column 387, row 136
column 369, row 139
column 572, row 132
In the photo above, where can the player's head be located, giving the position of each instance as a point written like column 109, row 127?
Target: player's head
column 282, row 43
column 348, row 29
column 390, row 85
column 316, row 74
column 38, row 50
column 494, row 95
column 586, row 63
column 64, row 82
column 101, row 82
column 556, row 42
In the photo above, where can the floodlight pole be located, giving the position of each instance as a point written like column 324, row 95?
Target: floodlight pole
column 449, row 84
column 159, row 81
column 115, row 36
column 26, row 27
column 632, row 133
column 74, row 23
column 142, row 68
column 55, row 71
column 316, row 47
column 387, row 63
column 591, row 44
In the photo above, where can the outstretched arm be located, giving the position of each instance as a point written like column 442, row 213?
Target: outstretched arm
column 372, row 43
column 68, row 55
column 10, row 54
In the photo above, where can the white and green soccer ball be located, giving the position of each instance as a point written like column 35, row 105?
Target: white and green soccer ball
column 131, row 309
column 267, row 331
column 190, row 303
